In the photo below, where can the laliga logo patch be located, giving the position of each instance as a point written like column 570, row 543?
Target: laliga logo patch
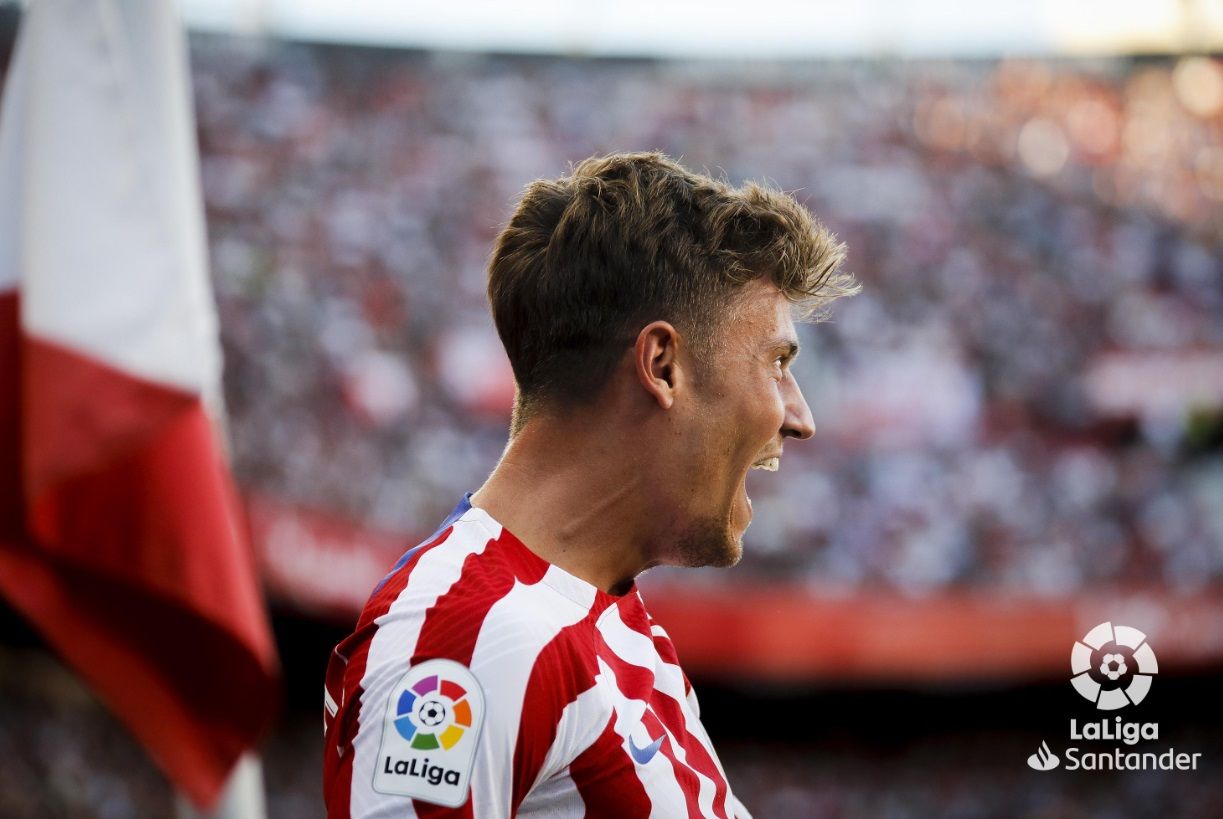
column 429, row 734
column 1113, row 666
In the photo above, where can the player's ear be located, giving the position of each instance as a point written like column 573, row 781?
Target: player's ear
column 656, row 361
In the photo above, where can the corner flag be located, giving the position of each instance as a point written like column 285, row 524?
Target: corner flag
column 119, row 534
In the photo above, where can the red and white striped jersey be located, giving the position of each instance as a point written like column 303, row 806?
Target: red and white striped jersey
column 484, row 682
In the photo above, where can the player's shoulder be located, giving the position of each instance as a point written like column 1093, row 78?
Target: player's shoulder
column 474, row 570
column 441, row 560
column 452, row 549
column 477, row 579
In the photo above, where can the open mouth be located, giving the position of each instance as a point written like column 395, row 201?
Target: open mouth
column 769, row 464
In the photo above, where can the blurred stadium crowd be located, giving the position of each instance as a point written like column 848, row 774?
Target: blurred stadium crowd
column 1026, row 395
column 65, row 758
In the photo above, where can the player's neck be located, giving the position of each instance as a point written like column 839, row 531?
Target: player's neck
column 575, row 499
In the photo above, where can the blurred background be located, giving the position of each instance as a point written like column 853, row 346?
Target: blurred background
column 1020, row 419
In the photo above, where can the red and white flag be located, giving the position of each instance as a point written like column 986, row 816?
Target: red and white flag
column 120, row 538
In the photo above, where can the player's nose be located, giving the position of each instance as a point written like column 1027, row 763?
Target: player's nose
column 798, row 422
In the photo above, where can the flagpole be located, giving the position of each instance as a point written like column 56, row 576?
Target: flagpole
column 242, row 798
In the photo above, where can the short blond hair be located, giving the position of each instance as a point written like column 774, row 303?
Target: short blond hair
column 625, row 239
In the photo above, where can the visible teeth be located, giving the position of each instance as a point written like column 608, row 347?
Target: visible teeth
column 770, row 464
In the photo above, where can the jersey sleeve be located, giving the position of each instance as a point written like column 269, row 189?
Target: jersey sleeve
column 453, row 739
column 441, row 749
column 442, row 731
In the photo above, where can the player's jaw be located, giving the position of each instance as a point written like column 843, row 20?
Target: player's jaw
column 715, row 537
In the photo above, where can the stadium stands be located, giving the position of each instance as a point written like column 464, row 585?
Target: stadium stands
column 1025, row 399
column 1026, row 395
